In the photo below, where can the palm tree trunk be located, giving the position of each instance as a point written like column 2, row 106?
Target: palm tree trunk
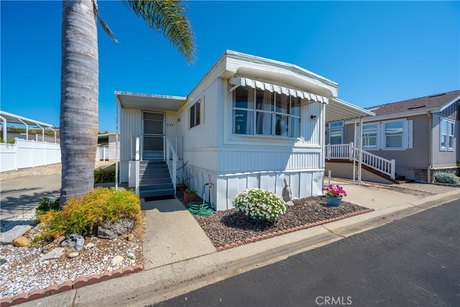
column 79, row 98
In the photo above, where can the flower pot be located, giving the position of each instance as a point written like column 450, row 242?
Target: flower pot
column 189, row 196
column 333, row 201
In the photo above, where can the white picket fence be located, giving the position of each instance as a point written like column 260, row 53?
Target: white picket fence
column 24, row 154
column 349, row 152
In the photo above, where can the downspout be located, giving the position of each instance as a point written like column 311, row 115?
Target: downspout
column 430, row 146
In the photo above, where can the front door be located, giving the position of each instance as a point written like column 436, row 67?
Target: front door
column 154, row 131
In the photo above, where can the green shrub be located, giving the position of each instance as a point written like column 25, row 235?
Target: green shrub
column 46, row 204
column 259, row 204
column 9, row 141
column 104, row 175
column 85, row 214
column 446, row 178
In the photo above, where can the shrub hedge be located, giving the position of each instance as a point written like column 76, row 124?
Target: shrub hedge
column 446, row 178
column 104, row 175
column 84, row 215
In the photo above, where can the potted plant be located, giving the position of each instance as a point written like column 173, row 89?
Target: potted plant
column 189, row 195
column 334, row 194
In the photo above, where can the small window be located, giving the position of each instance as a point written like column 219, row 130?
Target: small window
column 370, row 136
column 335, row 136
column 447, row 133
column 195, row 114
column 394, row 135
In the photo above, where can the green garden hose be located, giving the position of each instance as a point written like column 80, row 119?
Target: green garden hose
column 200, row 208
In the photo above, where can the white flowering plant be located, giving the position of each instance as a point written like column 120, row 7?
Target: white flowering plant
column 259, row 204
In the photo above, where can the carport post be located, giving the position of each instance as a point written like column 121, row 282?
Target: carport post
column 5, row 136
column 360, row 149
column 354, row 152
column 27, row 128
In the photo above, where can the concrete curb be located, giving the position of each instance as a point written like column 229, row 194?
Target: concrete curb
column 68, row 285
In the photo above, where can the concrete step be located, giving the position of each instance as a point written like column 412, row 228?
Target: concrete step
column 156, row 193
column 152, row 175
column 155, row 186
column 147, row 181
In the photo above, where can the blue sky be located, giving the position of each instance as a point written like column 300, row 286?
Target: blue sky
column 378, row 52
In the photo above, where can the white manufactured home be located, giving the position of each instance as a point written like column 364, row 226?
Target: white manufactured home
column 250, row 122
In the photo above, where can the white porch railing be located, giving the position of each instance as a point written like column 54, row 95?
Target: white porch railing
column 176, row 142
column 349, row 152
column 171, row 160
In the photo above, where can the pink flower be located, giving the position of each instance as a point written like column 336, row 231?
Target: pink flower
column 335, row 190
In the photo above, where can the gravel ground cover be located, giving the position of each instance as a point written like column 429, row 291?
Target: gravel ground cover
column 22, row 271
column 230, row 226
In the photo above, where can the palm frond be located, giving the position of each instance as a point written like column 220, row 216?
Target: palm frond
column 103, row 24
column 167, row 16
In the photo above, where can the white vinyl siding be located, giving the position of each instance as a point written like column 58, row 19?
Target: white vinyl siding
column 446, row 137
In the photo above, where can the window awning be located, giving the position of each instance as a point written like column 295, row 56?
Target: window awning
column 240, row 81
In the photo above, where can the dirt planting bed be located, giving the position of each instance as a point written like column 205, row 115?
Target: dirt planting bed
column 230, row 228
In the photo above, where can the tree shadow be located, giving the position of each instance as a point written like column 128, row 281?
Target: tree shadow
column 23, row 202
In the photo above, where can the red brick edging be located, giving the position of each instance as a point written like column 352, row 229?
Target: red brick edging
column 288, row 230
column 68, row 285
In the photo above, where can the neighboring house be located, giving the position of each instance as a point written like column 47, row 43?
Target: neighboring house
column 419, row 134
column 250, row 122
column 106, row 147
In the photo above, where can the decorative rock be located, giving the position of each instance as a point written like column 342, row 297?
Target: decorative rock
column 72, row 255
column 74, row 241
column 89, row 245
column 111, row 230
column 117, row 260
column 53, row 254
column 2, row 261
column 13, row 233
column 130, row 255
column 22, row 241
column 130, row 237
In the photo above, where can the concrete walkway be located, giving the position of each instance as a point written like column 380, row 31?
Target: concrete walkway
column 22, row 194
column 160, row 281
column 172, row 234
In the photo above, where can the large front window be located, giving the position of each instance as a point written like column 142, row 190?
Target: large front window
column 258, row 112
column 394, row 135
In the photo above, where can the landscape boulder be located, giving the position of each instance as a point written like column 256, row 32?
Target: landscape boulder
column 111, row 230
column 15, row 232
column 74, row 241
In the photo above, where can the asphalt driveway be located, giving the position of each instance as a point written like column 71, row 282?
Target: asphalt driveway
column 414, row 261
column 21, row 194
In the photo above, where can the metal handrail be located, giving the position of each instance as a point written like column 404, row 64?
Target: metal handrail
column 350, row 152
column 172, row 168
